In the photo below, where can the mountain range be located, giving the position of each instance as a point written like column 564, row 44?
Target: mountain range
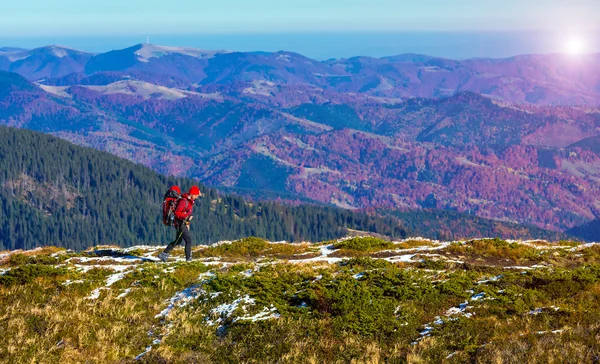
column 539, row 79
column 511, row 139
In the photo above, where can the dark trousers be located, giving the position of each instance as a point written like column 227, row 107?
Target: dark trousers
column 183, row 232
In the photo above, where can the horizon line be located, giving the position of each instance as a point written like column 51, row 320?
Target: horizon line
column 19, row 49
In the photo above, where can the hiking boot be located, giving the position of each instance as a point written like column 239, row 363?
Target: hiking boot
column 188, row 259
column 163, row 257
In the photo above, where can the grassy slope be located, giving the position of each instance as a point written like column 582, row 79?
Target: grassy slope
column 525, row 302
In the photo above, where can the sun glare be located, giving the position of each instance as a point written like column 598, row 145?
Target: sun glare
column 575, row 45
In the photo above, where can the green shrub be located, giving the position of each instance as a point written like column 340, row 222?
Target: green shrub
column 431, row 264
column 569, row 243
column 367, row 263
column 247, row 247
column 497, row 248
column 364, row 244
column 28, row 273
column 18, row 259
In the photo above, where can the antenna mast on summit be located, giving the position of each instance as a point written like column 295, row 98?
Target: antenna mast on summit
column 147, row 40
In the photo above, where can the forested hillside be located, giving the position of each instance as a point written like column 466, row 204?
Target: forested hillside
column 56, row 193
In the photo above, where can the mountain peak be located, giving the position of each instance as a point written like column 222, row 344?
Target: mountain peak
column 57, row 51
column 147, row 51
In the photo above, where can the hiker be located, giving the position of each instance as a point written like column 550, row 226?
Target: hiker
column 183, row 216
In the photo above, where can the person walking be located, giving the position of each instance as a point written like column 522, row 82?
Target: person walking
column 183, row 216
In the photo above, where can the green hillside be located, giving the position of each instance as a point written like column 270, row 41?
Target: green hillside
column 55, row 193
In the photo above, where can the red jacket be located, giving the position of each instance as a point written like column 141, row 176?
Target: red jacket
column 184, row 207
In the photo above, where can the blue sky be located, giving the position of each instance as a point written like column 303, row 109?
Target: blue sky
column 452, row 28
column 112, row 17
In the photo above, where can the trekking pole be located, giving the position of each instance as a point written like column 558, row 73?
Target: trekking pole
column 178, row 240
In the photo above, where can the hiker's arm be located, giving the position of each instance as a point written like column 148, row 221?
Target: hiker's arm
column 181, row 212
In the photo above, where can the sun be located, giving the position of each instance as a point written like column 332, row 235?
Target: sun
column 575, row 45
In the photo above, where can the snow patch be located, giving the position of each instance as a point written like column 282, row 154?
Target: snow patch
column 406, row 258
column 125, row 259
column 358, row 275
column 265, row 314
column 539, row 310
column 125, row 293
column 140, row 356
column 69, row 282
column 112, row 279
column 183, row 298
column 247, row 273
column 87, row 268
column 477, row 296
column 325, row 250
column 224, row 311
column 493, row 279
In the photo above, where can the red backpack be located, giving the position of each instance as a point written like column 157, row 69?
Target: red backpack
column 169, row 204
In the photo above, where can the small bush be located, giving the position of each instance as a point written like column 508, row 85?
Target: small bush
column 496, row 248
column 18, row 259
column 28, row 273
column 364, row 244
column 432, row 264
column 253, row 247
column 413, row 243
column 569, row 243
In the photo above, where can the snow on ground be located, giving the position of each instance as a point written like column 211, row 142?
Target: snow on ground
column 62, row 252
column 546, row 332
column 460, row 310
column 583, row 246
column 144, row 247
column 265, row 314
column 3, row 271
column 225, row 310
column 477, row 296
column 542, row 309
column 86, row 268
column 125, row 293
column 183, row 298
column 493, row 279
column 127, row 259
column 94, row 295
column 453, row 311
column 20, row 251
column 180, row 299
column 539, row 244
column 525, row 267
column 326, row 250
column 405, row 258
column 140, row 356
column 247, row 273
column 358, row 275
column 69, row 282
column 112, row 279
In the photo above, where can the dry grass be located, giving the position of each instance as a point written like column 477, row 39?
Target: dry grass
column 373, row 319
column 495, row 248
column 414, row 243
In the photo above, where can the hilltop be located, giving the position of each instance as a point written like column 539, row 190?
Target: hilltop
column 53, row 192
column 352, row 299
